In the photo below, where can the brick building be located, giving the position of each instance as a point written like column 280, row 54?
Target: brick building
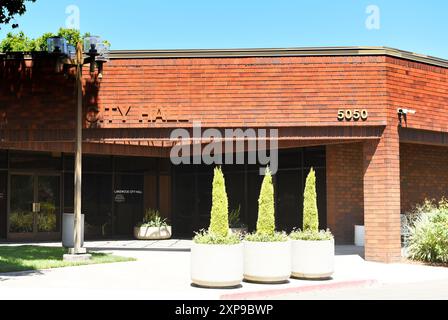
column 336, row 110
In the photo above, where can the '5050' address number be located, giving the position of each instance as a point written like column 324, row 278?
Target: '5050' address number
column 353, row 115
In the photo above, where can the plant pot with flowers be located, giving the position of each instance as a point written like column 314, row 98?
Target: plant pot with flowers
column 313, row 251
column 217, row 254
column 153, row 227
column 267, row 253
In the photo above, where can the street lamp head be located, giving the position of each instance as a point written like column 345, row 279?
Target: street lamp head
column 71, row 52
column 90, row 45
column 103, row 52
column 57, row 45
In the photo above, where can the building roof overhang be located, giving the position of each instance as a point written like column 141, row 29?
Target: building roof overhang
column 260, row 52
column 280, row 52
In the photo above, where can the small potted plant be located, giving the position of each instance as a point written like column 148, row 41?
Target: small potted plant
column 153, row 227
column 267, row 253
column 236, row 226
column 312, row 250
column 217, row 254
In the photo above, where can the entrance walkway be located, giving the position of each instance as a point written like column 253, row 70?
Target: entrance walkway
column 162, row 271
column 172, row 245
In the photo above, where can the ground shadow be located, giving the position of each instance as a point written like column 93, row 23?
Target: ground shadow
column 267, row 283
column 12, row 275
column 193, row 285
column 350, row 250
column 140, row 249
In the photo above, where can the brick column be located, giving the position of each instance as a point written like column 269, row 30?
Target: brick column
column 345, row 195
column 382, row 197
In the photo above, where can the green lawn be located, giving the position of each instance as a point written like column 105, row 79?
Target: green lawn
column 27, row 258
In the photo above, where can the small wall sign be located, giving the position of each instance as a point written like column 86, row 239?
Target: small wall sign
column 120, row 198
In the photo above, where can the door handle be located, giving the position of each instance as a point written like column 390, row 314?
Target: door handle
column 36, row 207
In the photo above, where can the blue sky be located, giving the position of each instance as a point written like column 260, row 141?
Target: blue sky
column 418, row 26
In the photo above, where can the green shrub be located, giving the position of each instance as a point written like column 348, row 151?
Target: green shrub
column 219, row 221
column 260, row 237
column 206, row 237
column 428, row 233
column 235, row 218
column 311, row 214
column 219, row 231
column 153, row 219
column 266, row 208
column 266, row 215
column 308, row 235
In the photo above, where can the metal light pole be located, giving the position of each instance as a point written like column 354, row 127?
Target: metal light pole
column 78, row 156
column 97, row 54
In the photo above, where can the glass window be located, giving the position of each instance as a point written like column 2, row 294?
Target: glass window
column 3, row 159
column 135, row 164
column 89, row 163
column 315, row 157
column 128, row 202
column 31, row 160
column 96, row 202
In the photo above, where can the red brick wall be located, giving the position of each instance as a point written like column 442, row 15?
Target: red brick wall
column 420, row 87
column 33, row 96
column 382, row 206
column 345, row 197
column 424, row 174
column 284, row 91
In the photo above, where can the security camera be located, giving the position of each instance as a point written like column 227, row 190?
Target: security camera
column 406, row 111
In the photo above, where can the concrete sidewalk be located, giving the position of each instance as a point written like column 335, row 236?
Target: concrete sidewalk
column 163, row 272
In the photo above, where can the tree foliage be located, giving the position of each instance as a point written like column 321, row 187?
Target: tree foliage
column 10, row 8
column 266, row 209
column 219, row 222
column 19, row 42
column 310, row 211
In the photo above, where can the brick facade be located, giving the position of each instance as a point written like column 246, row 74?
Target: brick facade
column 424, row 174
column 382, row 205
column 345, row 204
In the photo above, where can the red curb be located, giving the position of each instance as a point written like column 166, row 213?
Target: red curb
column 307, row 288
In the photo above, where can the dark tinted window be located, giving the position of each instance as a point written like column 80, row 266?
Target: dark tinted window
column 40, row 161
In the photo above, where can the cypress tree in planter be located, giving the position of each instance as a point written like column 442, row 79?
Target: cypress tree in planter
column 217, row 254
column 312, row 250
column 267, row 253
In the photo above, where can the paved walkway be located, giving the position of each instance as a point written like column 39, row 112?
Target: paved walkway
column 163, row 272
column 172, row 245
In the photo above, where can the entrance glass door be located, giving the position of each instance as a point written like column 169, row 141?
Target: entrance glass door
column 21, row 215
column 35, row 207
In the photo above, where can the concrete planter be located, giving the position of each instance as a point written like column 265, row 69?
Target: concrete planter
column 217, row 266
column 68, row 229
column 267, row 262
column 152, row 233
column 313, row 259
column 360, row 232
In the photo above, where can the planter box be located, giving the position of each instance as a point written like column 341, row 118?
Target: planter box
column 313, row 259
column 217, row 266
column 68, row 229
column 267, row 262
column 360, row 232
column 152, row 233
